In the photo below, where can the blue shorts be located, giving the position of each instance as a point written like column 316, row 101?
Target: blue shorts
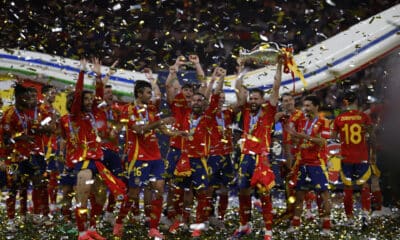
column 312, row 177
column 113, row 162
column 86, row 164
column 68, row 177
column 18, row 174
column 55, row 165
column 145, row 172
column 246, row 170
column 199, row 179
column 37, row 165
column 355, row 173
column 172, row 158
column 221, row 170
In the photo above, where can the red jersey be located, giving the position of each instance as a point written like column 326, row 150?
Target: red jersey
column 352, row 127
column 312, row 154
column 180, row 110
column 16, row 123
column 141, row 146
column 197, row 145
column 86, row 125
column 257, row 129
column 292, row 121
column 69, row 132
column 50, row 141
column 221, row 133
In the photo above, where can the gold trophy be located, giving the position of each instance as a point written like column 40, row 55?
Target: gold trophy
column 263, row 54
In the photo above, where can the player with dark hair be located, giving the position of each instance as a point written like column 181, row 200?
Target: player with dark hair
column 352, row 127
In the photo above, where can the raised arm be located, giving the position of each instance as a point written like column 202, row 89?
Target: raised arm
column 172, row 84
column 274, row 97
column 156, row 89
column 144, row 128
column 99, row 83
column 194, row 59
column 241, row 92
column 111, row 71
column 220, row 74
column 77, row 102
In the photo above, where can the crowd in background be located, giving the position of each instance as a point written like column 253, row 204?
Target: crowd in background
column 153, row 33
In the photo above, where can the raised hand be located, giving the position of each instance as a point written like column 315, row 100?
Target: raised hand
column 149, row 74
column 96, row 68
column 194, row 59
column 181, row 60
column 83, row 64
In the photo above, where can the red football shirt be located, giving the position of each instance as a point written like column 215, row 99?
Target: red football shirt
column 197, row 145
column 257, row 129
column 69, row 132
column 86, row 126
column 15, row 123
column 180, row 111
column 293, row 122
column 141, row 146
column 312, row 154
column 221, row 133
column 352, row 127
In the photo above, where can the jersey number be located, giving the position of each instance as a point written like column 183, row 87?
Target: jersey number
column 352, row 133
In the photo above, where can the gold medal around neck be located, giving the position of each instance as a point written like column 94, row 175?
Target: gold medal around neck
column 190, row 138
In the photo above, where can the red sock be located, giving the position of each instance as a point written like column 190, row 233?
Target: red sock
column 366, row 198
column 36, row 200
column 156, row 209
column 202, row 208
column 377, row 200
column 111, row 203
column 11, row 205
column 320, row 205
column 44, row 203
column 326, row 223
column 290, row 206
column 95, row 212
column 223, row 205
column 295, row 221
column 244, row 209
column 81, row 218
column 52, row 187
column 348, row 201
column 178, row 200
column 267, row 211
column 125, row 208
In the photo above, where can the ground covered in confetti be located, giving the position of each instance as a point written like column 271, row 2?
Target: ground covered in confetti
column 383, row 227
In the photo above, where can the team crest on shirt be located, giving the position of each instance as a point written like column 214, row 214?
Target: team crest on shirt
column 6, row 127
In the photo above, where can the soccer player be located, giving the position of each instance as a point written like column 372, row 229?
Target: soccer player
column 221, row 147
column 146, row 168
column 352, row 127
column 254, row 171
column 291, row 117
column 311, row 171
column 179, row 98
column 86, row 123
column 68, row 151
column 23, row 127
column 192, row 165
column 50, row 144
column 109, row 113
